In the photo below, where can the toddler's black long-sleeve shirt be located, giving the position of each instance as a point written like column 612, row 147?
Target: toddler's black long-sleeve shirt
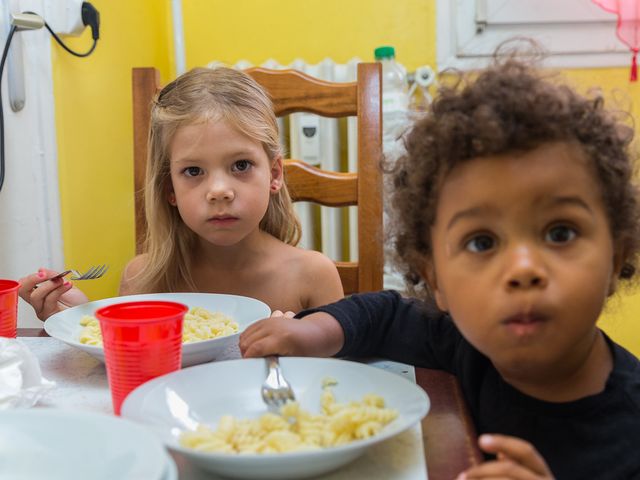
column 596, row 437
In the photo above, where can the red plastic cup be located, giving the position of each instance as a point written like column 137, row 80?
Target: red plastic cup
column 142, row 340
column 8, row 308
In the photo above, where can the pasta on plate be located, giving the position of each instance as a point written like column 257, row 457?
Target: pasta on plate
column 199, row 324
column 295, row 429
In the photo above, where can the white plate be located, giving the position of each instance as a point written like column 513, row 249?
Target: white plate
column 180, row 400
column 68, row 445
column 170, row 471
column 65, row 325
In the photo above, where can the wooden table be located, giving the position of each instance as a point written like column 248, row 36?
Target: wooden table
column 448, row 433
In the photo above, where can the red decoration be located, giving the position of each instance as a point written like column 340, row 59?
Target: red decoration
column 628, row 29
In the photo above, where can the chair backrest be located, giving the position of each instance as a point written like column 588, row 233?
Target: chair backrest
column 292, row 91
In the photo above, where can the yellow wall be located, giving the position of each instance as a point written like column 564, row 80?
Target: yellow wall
column 310, row 29
column 94, row 133
column 93, row 99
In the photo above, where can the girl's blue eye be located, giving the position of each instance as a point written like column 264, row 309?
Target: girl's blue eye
column 241, row 166
column 192, row 171
column 560, row 234
column 480, row 243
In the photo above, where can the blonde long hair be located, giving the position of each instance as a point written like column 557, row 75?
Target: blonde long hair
column 202, row 94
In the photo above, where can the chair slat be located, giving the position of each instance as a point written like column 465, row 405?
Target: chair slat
column 308, row 183
column 293, row 91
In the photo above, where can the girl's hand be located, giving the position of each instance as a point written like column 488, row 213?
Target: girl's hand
column 517, row 459
column 49, row 296
column 317, row 335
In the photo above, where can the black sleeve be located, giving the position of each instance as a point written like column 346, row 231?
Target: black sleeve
column 384, row 324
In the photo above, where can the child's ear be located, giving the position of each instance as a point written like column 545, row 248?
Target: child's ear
column 429, row 275
column 618, row 263
column 277, row 175
column 171, row 196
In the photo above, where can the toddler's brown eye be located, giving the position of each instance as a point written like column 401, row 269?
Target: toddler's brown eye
column 561, row 234
column 480, row 243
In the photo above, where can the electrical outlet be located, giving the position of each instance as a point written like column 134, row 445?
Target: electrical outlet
column 64, row 16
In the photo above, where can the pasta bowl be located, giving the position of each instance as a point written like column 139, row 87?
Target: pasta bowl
column 180, row 401
column 65, row 325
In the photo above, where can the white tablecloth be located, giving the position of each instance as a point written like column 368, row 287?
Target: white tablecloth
column 81, row 384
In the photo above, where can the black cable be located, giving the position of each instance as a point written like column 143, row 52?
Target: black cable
column 57, row 39
column 91, row 17
column 2, row 62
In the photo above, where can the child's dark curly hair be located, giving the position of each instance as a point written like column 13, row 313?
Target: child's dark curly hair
column 510, row 106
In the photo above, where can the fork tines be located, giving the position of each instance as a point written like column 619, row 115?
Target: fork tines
column 276, row 390
column 91, row 274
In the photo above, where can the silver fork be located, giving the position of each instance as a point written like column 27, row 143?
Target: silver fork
column 91, row 274
column 276, row 391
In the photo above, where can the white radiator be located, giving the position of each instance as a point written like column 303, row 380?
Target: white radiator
column 319, row 141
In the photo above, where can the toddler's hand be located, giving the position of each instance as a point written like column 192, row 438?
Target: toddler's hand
column 281, row 334
column 49, row 296
column 517, row 460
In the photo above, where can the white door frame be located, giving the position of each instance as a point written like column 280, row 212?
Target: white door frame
column 30, row 230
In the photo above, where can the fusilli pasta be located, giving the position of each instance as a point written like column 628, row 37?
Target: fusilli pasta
column 295, row 429
column 199, row 324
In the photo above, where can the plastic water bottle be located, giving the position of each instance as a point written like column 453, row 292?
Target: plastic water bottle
column 395, row 122
column 395, row 98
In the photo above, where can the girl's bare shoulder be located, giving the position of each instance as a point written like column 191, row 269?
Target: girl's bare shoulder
column 131, row 270
column 317, row 272
column 313, row 260
column 303, row 259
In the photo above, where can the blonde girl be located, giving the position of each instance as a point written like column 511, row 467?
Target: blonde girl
column 218, row 212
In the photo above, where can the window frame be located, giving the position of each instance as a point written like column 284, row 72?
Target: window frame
column 469, row 30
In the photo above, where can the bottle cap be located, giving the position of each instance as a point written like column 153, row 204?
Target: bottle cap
column 384, row 52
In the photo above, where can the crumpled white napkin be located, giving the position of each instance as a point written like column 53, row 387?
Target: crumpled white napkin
column 21, row 381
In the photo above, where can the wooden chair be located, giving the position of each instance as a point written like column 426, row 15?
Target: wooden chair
column 292, row 91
